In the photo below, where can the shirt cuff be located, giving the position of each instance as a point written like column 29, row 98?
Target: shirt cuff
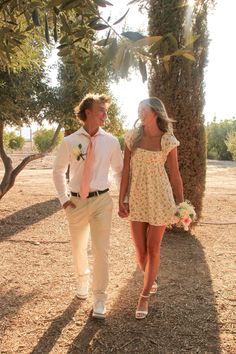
column 64, row 199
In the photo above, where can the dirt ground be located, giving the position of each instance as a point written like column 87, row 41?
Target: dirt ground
column 193, row 311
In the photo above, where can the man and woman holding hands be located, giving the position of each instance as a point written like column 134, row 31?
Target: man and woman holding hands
column 146, row 192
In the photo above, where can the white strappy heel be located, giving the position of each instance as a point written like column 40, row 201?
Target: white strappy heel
column 153, row 288
column 141, row 314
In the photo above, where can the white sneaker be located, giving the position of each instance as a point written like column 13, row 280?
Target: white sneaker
column 82, row 292
column 99, row 309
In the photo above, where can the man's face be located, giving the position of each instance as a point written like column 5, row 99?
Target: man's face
column 97, row 114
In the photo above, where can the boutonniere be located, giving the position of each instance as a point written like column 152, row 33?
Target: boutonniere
column 78, row 152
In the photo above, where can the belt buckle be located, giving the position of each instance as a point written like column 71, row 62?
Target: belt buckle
column 97, row 193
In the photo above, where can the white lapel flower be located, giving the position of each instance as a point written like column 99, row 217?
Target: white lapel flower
column 78, row 152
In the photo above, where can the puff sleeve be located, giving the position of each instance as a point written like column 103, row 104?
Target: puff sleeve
column 129, row 137
column 169, row 142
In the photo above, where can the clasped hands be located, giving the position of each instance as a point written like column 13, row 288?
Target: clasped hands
column 123, row 208
column 69, row 203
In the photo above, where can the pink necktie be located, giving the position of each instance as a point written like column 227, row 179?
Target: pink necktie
column 84, row 185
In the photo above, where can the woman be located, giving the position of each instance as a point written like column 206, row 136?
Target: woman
column 150, row 205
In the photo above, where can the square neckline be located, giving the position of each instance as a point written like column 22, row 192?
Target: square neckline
column 154, row 150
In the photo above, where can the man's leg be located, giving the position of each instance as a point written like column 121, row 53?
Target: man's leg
column 100, row 225
column 79, row 231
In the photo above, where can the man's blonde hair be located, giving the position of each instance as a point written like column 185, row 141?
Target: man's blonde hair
column 88, row 102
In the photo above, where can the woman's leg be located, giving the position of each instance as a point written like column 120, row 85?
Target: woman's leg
column 139, row 237
column 154, row 238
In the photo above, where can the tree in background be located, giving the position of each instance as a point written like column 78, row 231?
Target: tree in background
column 70, row 23
column 75, row 81
column 220, row 139
column 231, row 144
column 179, row 82
column 25, row 97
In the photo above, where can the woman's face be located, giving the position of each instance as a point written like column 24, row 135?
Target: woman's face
column 146, row 115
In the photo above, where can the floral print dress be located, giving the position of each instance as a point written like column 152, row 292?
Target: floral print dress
column 150, row 194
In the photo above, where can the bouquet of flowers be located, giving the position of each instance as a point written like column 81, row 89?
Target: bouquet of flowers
column 186, row 214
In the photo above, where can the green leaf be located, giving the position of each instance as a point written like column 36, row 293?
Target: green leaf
column 55, row 28
column 189, row 56
column 142, row 69
column 166, row 58
column 172, row 40
column 121, row 19
column 36, row 4
column 35, row 17
column 29, row 28
column 46, row 29
column 107, row 39
column 103, row 3
column 64, row 51
column 192, row 39
column 111, row 51
column 94, row 20
column 70, row 4
column 125, row 64
column 63, row 45
column 65, row 24
column 133, row 36
column 118, row 58
column 132, row 2
column 53, row 3
column 56, row 10
column 99, row 26
column 104, row 42
column 64, row 39
column 167, row 66
column 147, row 41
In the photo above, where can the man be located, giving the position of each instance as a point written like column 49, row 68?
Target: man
column 90, row 152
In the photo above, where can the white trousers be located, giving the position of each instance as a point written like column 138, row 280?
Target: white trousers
column 91, row 216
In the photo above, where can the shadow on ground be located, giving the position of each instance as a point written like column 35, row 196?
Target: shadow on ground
column 182, row 317
column 10, row 303
column 18, row 221
column 50, row 337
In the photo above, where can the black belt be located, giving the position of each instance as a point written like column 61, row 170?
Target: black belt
column 91, row 194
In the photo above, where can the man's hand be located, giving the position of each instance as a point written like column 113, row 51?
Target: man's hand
column 69, row 204
column 123, row 210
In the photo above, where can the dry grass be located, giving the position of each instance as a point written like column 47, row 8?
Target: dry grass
column 193, row 311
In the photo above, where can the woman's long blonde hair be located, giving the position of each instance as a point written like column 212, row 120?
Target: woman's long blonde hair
column 164, row 123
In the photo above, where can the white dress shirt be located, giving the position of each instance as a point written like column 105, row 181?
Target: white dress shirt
column 107, row 154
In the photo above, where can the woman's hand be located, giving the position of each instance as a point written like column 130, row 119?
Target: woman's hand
column 123, row 210
column 69, row 203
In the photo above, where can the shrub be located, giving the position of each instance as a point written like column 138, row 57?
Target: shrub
column 13, row 141
column 43, row 138
column 217, row 133
column 231, row 144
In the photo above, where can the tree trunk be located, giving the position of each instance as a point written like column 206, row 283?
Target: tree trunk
column 181, row 88
column 11, row 173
